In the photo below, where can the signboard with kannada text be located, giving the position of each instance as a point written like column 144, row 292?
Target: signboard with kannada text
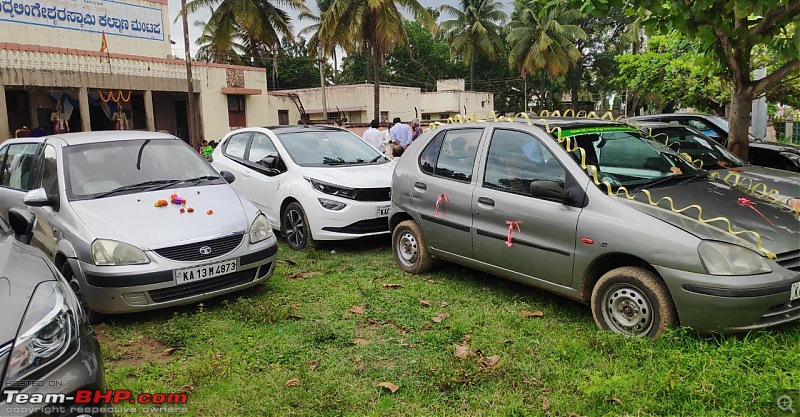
column 111, row 17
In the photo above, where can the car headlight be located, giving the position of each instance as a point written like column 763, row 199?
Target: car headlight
column 331, row 204
column 331, row 189
column 111, row 252
column 727, row 259
column 260, row 229
column 49, row 329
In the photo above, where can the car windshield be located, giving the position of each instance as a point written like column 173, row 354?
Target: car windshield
column 723, row 124
column 624, row 157
column 101, row 169
column 328, row 148
column 700, row 148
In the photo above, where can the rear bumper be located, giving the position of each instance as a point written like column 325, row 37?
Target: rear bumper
column 732, row 304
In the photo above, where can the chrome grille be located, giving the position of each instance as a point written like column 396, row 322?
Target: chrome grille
column 200, row 251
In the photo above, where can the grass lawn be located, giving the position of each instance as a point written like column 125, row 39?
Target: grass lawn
column 330, row 326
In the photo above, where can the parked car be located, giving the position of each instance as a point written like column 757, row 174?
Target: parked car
column 107, row 217
column 46, row 346
column 312, row 182
column 713, row 156
column 508, row 199
column 762, row 153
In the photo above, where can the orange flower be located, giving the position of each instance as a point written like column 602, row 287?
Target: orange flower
column 160, row 203
column 210, row 212
column 190, row 209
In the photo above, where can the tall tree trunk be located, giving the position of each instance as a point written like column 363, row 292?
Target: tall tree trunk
column 541, row 93
column 335, row 66
column 368, row 60
column 376, row 64
column 471, row 71
column 738, row 139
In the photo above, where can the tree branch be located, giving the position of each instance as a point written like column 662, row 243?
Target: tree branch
column 768, row 22
column 771, row 80
column 727, row 48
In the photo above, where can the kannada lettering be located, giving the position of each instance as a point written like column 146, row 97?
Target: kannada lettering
column 91, row 16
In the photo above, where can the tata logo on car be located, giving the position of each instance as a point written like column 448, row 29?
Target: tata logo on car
column 205, row 250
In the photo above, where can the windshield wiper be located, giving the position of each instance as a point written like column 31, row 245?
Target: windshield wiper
column 659, row 181
column 133, row 187
column 195, row 180
column 375, row 159
column 333, row 161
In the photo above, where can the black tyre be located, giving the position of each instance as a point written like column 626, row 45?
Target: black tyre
column 295, row 227
column 92, row 316
column 632, row 301
column 408, row 246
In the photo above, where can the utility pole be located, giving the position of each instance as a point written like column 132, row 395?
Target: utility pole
column 190, row 105
column 322, row 83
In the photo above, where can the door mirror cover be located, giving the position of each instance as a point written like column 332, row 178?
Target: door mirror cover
column 548, row 190
column 227, row 176
column 21, row 221
column 37, row 198
column 270, row 164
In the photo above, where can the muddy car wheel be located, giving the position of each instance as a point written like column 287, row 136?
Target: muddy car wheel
column 632, row 301
column 408, row 246
column 295, row 227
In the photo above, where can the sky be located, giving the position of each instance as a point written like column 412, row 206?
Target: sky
column 194, row 32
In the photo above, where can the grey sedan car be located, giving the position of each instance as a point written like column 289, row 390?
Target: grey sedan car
column 136, row 220
column 712, row 156
column 508, row 198
column 46, row 345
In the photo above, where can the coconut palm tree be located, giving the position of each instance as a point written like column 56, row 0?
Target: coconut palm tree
column 314, row 45
column 223, row 51
column 542, row 37
column 474, row 30
column 371, row 27
column 258, row 25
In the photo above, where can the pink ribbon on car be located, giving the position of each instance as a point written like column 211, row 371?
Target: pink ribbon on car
column 511, row 226
column 442, row 197
column 744, row 202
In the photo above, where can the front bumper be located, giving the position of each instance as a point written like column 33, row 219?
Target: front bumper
column 732, row 303
column 357, row 219
column 83, row 370
column 134, row 288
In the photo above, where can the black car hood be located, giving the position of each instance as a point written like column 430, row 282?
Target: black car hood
column 22, row 268
column 779, row 229
column 779, row 147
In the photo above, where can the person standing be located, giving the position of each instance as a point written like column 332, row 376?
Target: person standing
column 400, row 133
column 373, row 136
column 416, row 129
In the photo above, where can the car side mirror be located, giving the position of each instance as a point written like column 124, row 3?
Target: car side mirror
column 227, row 176
column 270, row 164
column 548, row 190
column 39, row 198
column 21, row 222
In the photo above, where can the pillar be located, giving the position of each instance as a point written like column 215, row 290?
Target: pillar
column 83, row 103
column 5, row 129
column 149, row 115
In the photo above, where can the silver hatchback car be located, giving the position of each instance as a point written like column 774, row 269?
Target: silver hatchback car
column 136, row 220
column 508, row 198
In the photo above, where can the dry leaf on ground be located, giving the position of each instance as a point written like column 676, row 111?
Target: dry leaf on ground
column 294, row 382
column 388, row 385
column 392, row 286
column 425, row 303
column 545, row 403
column 443, row 304
column 490, row 362
column 356, row 309
column 439, row 317
column 529, row 314
column 187, row 388
column 360, row 342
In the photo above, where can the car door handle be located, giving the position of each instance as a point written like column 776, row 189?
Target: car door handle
column 486, row 200
column 420, row 185
column 246, row 174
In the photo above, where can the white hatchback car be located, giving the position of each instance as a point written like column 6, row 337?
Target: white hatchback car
column 312, row 182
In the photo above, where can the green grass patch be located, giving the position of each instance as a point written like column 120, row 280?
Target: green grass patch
column 235, row 355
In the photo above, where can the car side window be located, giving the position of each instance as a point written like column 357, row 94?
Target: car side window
column 427, row 159
column 516, row 159
column 18, row 166
column 236, row 145
column 456, row 154
column 46, row 175
column 260, row 147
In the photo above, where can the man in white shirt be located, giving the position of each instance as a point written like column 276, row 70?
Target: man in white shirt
column 401, row 133
column 373, row 136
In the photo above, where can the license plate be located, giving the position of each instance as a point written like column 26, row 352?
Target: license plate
column 199, row 273
column 382, row 211
column 795, row 291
